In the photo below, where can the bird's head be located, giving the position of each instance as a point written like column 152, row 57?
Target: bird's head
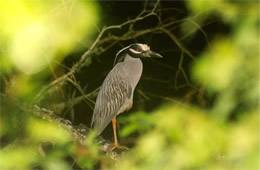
column 141, row 50
column 137, row 50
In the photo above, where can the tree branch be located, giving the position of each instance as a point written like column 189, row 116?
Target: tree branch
column 79, row 133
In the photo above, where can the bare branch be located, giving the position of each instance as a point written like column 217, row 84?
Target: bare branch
column 80, row 63
column 178, row 43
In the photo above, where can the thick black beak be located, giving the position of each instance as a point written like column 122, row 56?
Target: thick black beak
column 152, row 54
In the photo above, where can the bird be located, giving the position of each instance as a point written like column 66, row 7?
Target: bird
column 116, row 92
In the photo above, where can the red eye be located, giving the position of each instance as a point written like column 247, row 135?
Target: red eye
column 139, row 50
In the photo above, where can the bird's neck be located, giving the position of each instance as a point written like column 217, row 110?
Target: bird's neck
column 133, row 67
column 129, row 58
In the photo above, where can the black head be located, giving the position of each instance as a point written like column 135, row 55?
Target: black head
column 136, row 50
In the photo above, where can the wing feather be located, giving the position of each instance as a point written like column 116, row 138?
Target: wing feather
column 114, row 91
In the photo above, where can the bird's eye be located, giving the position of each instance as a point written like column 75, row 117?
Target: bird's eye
column 139, row 50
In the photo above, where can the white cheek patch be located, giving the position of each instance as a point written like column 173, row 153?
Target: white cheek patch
column 135, row 52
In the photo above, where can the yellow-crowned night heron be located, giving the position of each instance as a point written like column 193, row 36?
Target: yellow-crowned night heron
column 116, row 93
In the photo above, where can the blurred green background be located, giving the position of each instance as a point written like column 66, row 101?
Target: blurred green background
column 197, row 108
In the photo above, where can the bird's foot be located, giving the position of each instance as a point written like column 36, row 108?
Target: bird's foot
column 117, row 146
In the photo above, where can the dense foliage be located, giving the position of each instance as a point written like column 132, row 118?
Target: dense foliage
column 217, row 129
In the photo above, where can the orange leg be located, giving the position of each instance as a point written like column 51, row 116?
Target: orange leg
column 116, row 145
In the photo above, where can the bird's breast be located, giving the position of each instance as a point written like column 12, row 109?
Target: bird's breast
column 133, row 68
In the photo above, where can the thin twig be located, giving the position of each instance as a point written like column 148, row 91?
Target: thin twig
column 79, row 64
column 177, row 42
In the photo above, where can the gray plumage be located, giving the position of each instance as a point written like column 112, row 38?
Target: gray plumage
column 116, row 93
